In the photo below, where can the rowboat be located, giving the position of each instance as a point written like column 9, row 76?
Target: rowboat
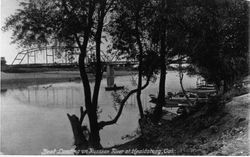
column 179, row 99
column 114, row 88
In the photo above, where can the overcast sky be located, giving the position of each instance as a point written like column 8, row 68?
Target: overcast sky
column 8, row 50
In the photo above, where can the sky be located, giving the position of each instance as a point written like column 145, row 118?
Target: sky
column 7, row 50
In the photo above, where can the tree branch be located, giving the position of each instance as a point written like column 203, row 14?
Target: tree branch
column 98, row 35
column 105, row 123
column 182, row 88
column 83, row 114
column 77, row 40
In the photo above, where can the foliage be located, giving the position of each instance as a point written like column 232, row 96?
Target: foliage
column 35, row 24
column 43, row 23
column 212, row 36
column 129, row 21
column 217, row 39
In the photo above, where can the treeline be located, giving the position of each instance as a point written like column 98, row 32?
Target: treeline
column 210, row 35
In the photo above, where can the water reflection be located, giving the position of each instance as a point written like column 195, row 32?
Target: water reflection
column 52, row 96
column 34, row 118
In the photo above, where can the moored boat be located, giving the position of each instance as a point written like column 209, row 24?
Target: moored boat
column 114, row 88
column 179, row 98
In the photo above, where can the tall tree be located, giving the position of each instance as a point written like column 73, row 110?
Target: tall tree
column 87, row 15
column 161, row 95
column 129, row 31
column 164, row 33
column 67, row 21
column 72, row 22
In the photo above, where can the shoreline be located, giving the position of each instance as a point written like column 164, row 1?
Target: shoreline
column 22, row 80
column 226, row 133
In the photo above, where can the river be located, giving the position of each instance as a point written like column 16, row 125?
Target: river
column 34, row 118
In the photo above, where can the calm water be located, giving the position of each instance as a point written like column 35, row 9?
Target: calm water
column 34, row 118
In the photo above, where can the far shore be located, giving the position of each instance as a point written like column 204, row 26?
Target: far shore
column 22, row 80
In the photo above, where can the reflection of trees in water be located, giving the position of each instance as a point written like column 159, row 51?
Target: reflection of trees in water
column 50, row 97
column 66, row 97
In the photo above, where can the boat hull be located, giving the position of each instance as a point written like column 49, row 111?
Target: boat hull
column 114, row 88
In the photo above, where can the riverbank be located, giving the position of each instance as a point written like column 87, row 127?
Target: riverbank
column 223, row 133
column 216, row 129
column 21, row 80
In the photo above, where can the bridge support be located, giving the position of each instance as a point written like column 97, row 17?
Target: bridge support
column 111, row 79
column 110, row 75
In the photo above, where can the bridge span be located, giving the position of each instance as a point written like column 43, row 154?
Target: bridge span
column 54, row 58
column 62, row 56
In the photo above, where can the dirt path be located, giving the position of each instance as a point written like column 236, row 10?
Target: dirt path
column 235, row 140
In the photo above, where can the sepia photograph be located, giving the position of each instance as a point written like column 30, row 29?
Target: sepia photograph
column 125, row 77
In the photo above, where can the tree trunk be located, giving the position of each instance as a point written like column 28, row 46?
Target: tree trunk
column 95, row 136
column 90, row 107
column 182, row 88
column 91, row 110
column 161, row 97
column 138, row 96
column 80, row 140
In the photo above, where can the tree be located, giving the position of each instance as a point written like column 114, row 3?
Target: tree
column 210, row 33
column 128, row 29
column 217, row 35
column 67, row 21
column 84, row 16
column 165, row 35
column 80, row 23
column 35, row 24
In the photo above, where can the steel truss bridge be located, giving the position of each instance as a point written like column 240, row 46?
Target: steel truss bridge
column 61, row 55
